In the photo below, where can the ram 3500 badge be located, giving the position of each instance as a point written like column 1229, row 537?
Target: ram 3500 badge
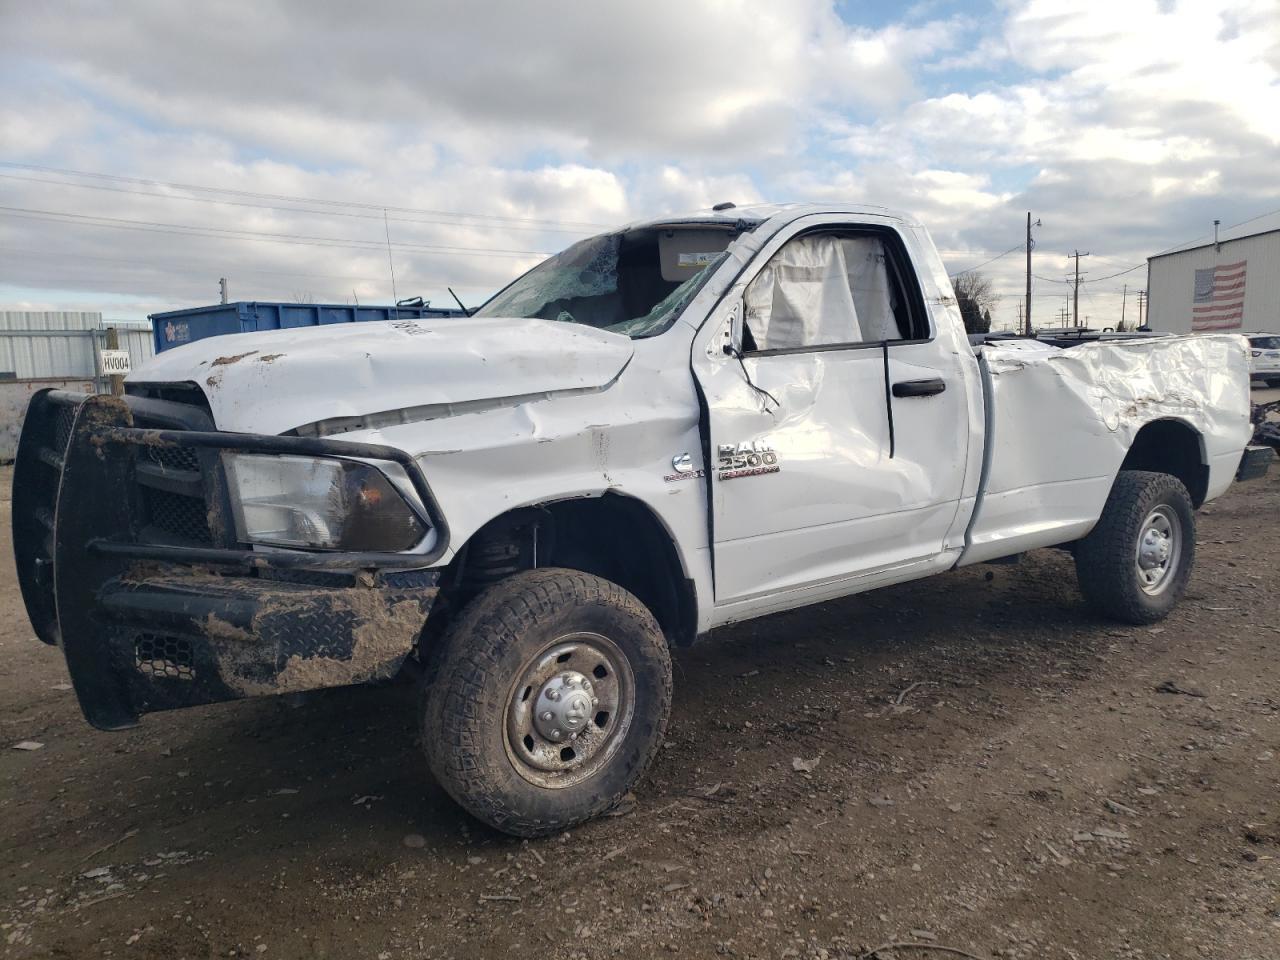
column 747, row 459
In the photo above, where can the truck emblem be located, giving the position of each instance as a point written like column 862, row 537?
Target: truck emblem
column 684, row 469
column 747, row 459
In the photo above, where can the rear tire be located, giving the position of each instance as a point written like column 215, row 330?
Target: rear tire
column 1134, row 565
column 549, row 699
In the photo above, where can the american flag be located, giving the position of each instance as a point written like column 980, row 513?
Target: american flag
column 1218, row 303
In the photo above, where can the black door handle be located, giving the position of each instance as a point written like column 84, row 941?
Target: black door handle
column 919, row 388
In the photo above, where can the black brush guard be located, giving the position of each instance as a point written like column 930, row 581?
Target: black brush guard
column 127, row 559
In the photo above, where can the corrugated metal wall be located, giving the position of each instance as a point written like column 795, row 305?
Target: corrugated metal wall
column 39, row 345
column 47, row 348
column 1172, row 280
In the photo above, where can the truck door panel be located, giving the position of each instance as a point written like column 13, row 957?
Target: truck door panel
column 806, row 484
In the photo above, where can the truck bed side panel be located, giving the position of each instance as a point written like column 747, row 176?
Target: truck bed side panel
column 1063, row 420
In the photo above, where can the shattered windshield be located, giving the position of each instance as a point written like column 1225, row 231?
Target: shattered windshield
column 634, row 283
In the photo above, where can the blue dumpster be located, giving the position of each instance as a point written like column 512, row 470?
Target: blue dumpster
column 173, row 328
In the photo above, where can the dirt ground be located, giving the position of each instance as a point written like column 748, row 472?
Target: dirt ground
column 993, row 769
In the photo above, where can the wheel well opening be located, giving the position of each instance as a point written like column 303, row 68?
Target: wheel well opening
column 611, row 536
column 1170, row 446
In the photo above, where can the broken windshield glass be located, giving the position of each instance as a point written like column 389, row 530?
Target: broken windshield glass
column 613, row 282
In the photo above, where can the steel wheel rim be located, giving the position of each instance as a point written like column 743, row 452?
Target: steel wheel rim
column 1159, row 550
column 581, row 687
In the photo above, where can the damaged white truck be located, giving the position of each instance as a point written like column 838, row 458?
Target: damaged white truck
column 678, row 425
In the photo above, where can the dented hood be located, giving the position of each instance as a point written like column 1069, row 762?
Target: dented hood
column 275, row 381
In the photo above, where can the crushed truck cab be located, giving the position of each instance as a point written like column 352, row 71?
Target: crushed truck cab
column 673, row 426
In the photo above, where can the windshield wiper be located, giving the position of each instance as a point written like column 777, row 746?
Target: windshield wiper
column 457, row 301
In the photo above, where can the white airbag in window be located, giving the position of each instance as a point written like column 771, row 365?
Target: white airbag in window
column 820, row 291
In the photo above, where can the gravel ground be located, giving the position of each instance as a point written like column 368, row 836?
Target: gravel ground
column 972, row 761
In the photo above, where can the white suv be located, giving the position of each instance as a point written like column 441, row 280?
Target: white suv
column 1264, row 358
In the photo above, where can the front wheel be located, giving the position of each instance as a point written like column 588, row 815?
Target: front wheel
column 1134, row 565
column 550, row 697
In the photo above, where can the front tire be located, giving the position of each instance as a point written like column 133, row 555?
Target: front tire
column 550, row 697
column 1134, row 565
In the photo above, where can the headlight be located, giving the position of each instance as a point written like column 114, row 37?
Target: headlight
column 318, row 502
column 1256, row 353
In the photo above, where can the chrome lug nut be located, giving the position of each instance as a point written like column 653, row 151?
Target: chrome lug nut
column 548, row 715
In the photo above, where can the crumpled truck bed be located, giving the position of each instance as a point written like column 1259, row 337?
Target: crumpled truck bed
column 1059, row 423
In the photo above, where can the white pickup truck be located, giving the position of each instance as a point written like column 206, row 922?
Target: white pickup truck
column 682, row 424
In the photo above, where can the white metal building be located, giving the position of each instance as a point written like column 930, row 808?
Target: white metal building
column 53, row 344
column 56, row 348
column 1231, row 285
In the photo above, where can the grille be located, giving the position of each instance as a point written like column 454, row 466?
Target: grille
column 63, row 420
column 178, row 516
column 173, row 458
column 179, row 513
column 158, row 655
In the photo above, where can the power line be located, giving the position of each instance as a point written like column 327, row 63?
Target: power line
column 1205, row 236
column 378, row 207
column 1110, row 276
column 188, row 230
column 160, row 286
column 223, row 201
column 1114, row 263
column 985, row 262
column 51, row 256
column 101, row 277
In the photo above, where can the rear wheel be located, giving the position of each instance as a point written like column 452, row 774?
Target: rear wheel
column 1135, row 563
column 550, row 697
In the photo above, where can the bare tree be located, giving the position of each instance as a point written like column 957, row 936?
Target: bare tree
column 975, row 297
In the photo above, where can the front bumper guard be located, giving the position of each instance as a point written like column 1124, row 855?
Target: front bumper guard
column 148, row 626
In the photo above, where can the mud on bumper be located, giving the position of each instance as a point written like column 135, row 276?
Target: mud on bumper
column 127, row 560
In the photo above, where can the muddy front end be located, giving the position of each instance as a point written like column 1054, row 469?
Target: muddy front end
column 177, row 565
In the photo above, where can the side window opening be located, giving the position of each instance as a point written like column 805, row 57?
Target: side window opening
column 829, row 289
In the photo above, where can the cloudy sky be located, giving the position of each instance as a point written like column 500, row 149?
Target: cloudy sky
column 149, row 148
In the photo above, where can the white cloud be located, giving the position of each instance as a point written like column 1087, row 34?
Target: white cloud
column 1127, row 125
column 703, row 75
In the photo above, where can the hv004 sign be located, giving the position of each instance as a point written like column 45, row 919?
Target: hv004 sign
column 114, row 362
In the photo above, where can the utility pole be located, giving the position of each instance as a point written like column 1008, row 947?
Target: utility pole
column 1124, row 296
column 1076, row 296
column 1019, row 316
column 1027, row 313
column 222, row 289
column 1142, row 300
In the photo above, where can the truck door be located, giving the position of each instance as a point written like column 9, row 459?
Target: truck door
column 838, row 419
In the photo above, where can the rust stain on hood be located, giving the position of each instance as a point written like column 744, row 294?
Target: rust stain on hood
column 234, row 358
